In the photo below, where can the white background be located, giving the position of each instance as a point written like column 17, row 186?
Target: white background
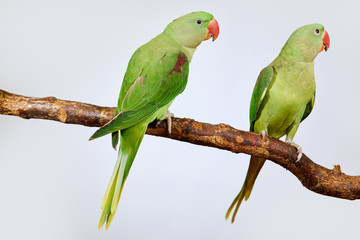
column 52, row 179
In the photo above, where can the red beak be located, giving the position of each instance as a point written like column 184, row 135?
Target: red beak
column 213, row 29
column 326, row 41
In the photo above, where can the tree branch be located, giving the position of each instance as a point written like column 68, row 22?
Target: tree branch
column 313, row 176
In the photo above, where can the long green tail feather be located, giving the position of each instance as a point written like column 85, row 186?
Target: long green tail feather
column 253, row 171
column 130, row 140
column 107, row 201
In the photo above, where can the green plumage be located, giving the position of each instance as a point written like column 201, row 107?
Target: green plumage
column 157, row 72
column 283, row 96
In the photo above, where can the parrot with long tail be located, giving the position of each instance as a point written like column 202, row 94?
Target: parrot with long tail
column 157, row 72
column 283, row 97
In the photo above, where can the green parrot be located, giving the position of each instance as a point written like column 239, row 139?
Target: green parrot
column 283, row 96
column 157, row 72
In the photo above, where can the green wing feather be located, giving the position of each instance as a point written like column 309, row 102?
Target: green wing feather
column 262, row 84
column 309, row 108
column 114, row 139
column 125, row 120
column 150, row 91
column 132, row 73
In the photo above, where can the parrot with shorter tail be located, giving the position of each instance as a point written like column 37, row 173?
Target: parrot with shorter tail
column 283, row 96
column 157, row 72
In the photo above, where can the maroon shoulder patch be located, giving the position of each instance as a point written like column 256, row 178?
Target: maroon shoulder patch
column 180, row 62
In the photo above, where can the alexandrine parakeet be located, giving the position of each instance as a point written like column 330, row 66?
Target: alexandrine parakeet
column 157, row 72
column 284, row 96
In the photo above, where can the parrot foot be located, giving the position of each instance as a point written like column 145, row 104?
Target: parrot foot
column 298, row 148
column 264, row 133
column 168, row 115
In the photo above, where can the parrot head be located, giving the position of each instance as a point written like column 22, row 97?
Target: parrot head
column 193, row 28
column 307, row 41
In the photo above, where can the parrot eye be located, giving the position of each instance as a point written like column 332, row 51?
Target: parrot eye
column 199, row 22
column 317, row 31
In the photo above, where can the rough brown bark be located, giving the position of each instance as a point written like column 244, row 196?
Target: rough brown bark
column 313, row 176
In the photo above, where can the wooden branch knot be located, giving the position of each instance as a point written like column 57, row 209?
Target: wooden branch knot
column 337, row 169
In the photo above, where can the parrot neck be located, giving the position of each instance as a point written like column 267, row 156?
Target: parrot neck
column 292, row 54
column 189, row 51
column 302, row 53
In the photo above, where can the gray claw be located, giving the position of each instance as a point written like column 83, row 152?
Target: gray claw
column 264, row 133
column 168, row 115
column 298, row 148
